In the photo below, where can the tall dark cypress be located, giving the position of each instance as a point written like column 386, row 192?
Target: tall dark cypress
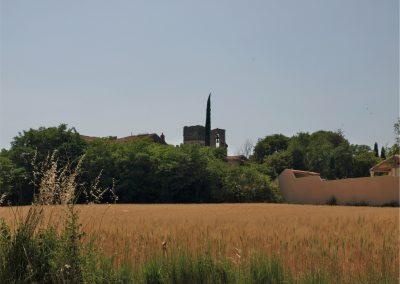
column 208, row 122
column 383, row 153
column 376, row 151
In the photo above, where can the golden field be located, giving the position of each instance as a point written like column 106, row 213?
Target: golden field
column 340, row 240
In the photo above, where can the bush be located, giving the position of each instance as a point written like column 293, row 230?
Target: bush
column 34, row 253
column 332, row 201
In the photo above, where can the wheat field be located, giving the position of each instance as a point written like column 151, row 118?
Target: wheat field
column 348, row 243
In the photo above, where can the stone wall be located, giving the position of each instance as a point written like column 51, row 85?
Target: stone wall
column 194, row 134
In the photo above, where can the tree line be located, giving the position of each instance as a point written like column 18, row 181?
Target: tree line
column 142, row 171
column 326, row 152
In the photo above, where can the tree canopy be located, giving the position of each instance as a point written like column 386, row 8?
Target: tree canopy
column 142, row 171
column 326, row 152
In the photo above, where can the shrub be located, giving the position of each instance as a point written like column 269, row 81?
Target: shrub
column 34, row 253
column 332, row 201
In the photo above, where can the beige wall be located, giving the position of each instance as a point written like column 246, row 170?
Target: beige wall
column 312, row 190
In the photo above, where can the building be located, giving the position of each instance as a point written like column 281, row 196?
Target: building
column 236, row 160
column 390, row 166
column 302, row 187
column 196, row 134
column 152, row 136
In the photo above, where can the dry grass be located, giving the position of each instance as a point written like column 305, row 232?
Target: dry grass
column 350, row 242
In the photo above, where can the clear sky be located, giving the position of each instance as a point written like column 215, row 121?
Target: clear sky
column 273, row 66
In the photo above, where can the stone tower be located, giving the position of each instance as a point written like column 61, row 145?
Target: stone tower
column 217, row 138
column 203, row 135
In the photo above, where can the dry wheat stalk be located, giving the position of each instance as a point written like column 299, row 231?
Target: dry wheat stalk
column 54, row 184
column 3, row 198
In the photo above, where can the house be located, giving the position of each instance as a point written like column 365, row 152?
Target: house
column 153, row 137
column 390, row 166
column 236, row 160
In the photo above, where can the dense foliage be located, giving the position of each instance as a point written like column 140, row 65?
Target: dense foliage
column 325, row 152
column 141, row 171
column 33, row 146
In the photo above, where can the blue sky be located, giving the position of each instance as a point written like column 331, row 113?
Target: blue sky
column 121, row 67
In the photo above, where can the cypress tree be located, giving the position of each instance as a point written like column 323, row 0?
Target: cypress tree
column 208, row 122
column 383, row 153
column 376, row 151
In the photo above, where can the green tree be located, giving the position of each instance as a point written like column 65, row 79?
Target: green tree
column 246, row 184
column 376, row 151
column 342, row 161
column 383, row 153
column 363, row 159
column 220, row 153
column 298, row 148
column 320, row 156
column 11, row 178
column 269, row 145
column 43, row 141
column 208, row 122
column 100, row 159
column 277, row 162
column 395, row 149
column 38, row 144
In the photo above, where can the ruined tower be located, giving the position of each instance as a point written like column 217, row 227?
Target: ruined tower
column 203, row 135
column 217, row 138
